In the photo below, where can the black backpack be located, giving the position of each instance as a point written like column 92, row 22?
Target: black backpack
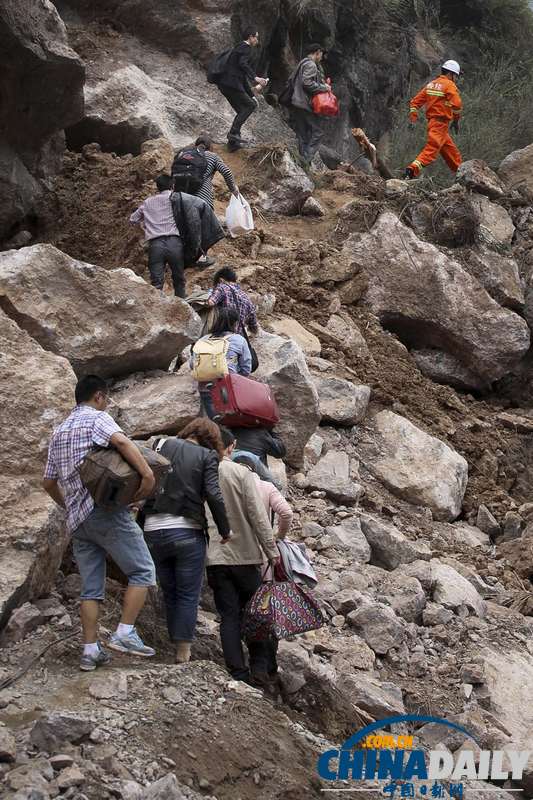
column 285, row 97
column 188, row 170
column 218, row 66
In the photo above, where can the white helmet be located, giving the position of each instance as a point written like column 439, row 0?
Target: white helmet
column 452, row 66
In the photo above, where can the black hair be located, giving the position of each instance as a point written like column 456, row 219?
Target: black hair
column 313, row 48
column 87, row 387
column 226, row 274
column 247, row 461
column 163, row 182
column 250, row 30
column 225, row 320
column 204, row 140
column 227, row 436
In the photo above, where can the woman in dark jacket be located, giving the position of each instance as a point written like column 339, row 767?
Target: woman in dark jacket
column 175, row 524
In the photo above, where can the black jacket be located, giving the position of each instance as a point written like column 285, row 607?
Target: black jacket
column 197, row 223
column 239, row 73
column 261, row 442
column 193, row 481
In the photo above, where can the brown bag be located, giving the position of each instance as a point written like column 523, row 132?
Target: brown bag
column 112, row 482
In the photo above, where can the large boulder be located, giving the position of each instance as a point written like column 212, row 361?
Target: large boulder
column 342, row 402
column 495, row 224
column 429, row 300
column 499, row 275
column 332, row 475
column 444, row 368
column 106, row 321
column 37, row 393
column 452, row 590
column 517, row 169
column 477, row 176
column 415, row 466
column 155, row 402
column 291, row 328
column 41, row 86
column 519, row 553
column 288, row 189
column 282, row 365
column 389, row 546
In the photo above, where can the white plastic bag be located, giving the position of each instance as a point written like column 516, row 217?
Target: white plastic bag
column 239, row 218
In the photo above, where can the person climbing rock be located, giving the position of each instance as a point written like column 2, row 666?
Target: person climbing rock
column 227, row 293
column 236, row 83
column 97, row 532
column 234, row 569
column 175, row 525
column 165, row 244
column 307, row 80
column 443, row 105
column 258, row 444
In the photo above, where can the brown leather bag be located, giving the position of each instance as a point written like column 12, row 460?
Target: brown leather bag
column 112, row 482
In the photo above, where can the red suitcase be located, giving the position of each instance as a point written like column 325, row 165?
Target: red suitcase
column 244, row 403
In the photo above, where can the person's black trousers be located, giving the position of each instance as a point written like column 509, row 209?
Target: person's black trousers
column 167, row 250
column 308, row 131
column 242, row 103
column 232, row 587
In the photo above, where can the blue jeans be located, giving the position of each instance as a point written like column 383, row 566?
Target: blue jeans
column 179, row 557
column 113, row 533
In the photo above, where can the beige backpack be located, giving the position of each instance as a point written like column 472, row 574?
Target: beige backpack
column 209, row 359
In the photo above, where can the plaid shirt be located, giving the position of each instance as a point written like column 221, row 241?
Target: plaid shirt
column 231, row 294
column 156, row 216
column 71, row 441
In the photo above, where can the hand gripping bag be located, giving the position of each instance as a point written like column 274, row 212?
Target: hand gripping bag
column 239, row 218
column 325, row 104
column 280, row 610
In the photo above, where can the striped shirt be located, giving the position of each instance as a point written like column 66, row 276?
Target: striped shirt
column 156, row 216
column 230, row 295
column 214, row 164
column 84, row 429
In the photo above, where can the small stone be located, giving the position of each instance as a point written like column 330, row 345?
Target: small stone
column 338, row 621
column 512, row 526
column 109, row 687
column 56, row 728
column 312, row 208
column 172, row 695
column 61, row 761
column 23, row 620
column 203, row 783
column 487, row 522
column 473, row 673
column 71, row 776
column 8, row 747
column 311, row 530
column 395, row 187
column 435, row 614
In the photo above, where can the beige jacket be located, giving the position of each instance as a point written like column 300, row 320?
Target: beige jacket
column 250, row 527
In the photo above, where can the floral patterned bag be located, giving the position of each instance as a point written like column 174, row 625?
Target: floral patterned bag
column 280, row 610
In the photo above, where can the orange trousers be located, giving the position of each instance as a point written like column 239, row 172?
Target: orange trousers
column 439, row 141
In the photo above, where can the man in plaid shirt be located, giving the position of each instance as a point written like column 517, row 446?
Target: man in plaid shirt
column 228, row 293
column 95, row 531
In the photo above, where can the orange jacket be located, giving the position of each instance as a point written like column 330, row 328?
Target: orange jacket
column 441, row 99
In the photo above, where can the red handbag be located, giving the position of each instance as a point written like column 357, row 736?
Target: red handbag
column 325, row 104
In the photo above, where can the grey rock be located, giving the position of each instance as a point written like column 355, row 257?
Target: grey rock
column 406, row 596
column 61, row 761
column 349, row 536
column 289, row 189
column 56, row 728
column 379, row 626
column 496, row 226
column 312, row 530
column 435, row 614
column 8, row 746
column 138, row 328
column 389, row 546
column 444, row 368
column 69, row 777
column 477, row 176
column 109, row 687
column 376, row 698
column 347, row 600
column 293, row 660
column 516, row 170
column 473, row 673
column 431, row 301
column 499, row 275
column 512, row 526
column 487, row 522
column 23, row 621
column 282, row 366
column 415, row 466
column 332, row 475
column 312, row 208
column 155, row 402
column 342, row 402
column 166, row 788
column 452, row 590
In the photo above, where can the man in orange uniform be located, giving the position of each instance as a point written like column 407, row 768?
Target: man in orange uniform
column 443, row 105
